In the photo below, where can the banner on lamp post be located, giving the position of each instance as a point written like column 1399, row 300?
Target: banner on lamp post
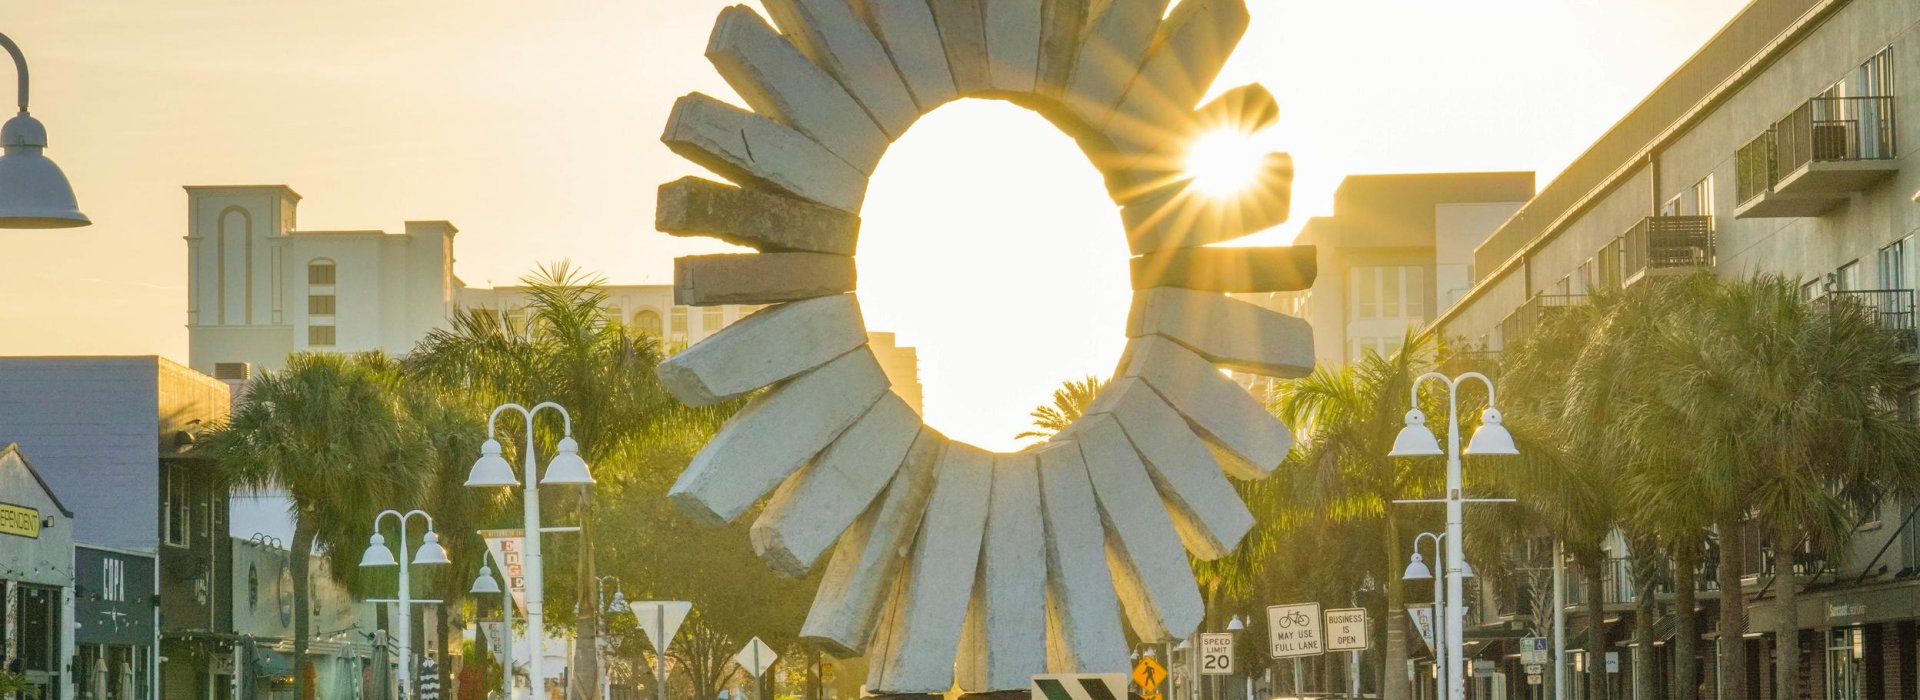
column 508, row 548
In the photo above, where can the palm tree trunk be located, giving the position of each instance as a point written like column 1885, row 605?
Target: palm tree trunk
column 1596, row 626
column 300, row 557
column 1786, row 648
column 1645, row 610
column 1730, row 667
column 442, row 663
column 1393, row 674
column 1685, row 669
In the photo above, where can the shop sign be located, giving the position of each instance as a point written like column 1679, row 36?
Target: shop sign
column 19, row 520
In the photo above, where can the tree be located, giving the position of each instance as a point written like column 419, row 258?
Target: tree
column 1069, row 402
column 334, row 433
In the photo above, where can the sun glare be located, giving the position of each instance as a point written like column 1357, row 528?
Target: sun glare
column 989, row 243
column 1224, row 162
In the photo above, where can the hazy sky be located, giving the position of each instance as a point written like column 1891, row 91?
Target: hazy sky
column 534, row 127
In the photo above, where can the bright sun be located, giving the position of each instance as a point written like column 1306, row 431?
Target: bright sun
column 1224, row 162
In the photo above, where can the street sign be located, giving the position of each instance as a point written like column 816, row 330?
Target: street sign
column 1482, row 668
column 1216, row 654
column 1533, row 679
column 1079, row 686
column 1533, row 651
column 1536, row 668
column 1613, row 662
column 1347, row 629
column 755, row 657
column 1294, row 630
column 1148, row 674
column 1423, row 621
column 660, row 620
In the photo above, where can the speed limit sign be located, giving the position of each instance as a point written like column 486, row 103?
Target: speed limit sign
column 1216, row 654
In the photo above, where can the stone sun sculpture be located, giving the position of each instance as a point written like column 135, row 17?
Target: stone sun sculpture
column 952, row 565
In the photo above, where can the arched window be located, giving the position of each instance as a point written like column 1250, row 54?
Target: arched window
column 322, row 305
column 647, row 321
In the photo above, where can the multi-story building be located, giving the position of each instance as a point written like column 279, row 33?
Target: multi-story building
column 111, row 436
column 259, row 289
column 1778, row 147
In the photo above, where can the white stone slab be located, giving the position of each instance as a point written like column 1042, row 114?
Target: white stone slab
column 832, row 35
column 1249, row 441
column 907, row 29
column 1005, row 639
column 1150, row 572
column 771, row 75
column 1189, row 49
column 808, row 512
column 775, row 434
column 913, row 650
column 1116, row 41
column 870, row 555
column 767, row 347
column 1226, row 331
column 1083, row 614
column 750, row 149
column 1062, row 22
column 963, row 34
column 1178, row 216
column 1207, row 513
column 1013, row 46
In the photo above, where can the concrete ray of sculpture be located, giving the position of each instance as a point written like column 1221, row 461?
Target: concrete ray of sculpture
column 944, row 556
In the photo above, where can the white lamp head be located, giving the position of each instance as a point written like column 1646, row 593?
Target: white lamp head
column 1466, row 571
column 1236, row 624
column 1417, row 569
column 491, row 469
column 619, row 604
column 377, row 553
column 1491, row 438
column 567, row 467
column 484, row 584
column 33, row 191
column 430, row 551
column 1415, row 440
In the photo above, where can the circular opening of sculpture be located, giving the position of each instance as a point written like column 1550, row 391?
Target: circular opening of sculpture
column 989, row 243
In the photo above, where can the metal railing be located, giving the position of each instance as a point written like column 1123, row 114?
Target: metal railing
column 1616, row 583
column 1892, row 309
column 1519, row 324
column 1668, row 242
column 1834, row 128
column 1754, row 168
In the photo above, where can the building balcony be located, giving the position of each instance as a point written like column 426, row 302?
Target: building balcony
column 1618, row 591
column 1668, row 245
column 1892, row 309
column 1519, row 324
column 1809, row 162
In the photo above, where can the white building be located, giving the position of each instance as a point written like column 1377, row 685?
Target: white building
column 259, row 289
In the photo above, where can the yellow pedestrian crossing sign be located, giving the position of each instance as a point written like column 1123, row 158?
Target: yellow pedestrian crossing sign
column 1148, row 674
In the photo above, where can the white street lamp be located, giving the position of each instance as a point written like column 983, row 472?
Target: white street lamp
column 617, row 605
column 1417, row 571
column 33, row 191
column 485, row 585
column 377, row 554
column 567, row 467
column 1417, row 440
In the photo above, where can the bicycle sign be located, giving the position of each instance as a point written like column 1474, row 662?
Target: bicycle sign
column 1294, row 630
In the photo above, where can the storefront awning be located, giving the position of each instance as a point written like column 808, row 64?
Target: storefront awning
column 268, row 663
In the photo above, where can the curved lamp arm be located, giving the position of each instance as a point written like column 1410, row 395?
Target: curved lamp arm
column 20, row 66
column 1413, row 391
column 1483, row 380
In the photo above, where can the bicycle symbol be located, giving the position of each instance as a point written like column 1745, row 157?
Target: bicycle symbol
column 1293, row 619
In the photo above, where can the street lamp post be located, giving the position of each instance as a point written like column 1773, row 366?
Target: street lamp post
column 378, row 554
column 1416, row 440
column 1417, row 571
column 482, row 585
column 33, row 191
column 617, row 605
column 1235, row 625
column 566, row 467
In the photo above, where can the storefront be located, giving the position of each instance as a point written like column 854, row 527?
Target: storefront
column 115, row 624
column 36, row 578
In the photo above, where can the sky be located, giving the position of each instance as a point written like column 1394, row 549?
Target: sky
column 987, row 240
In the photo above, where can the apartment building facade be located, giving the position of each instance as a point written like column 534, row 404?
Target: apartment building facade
column 1785, row 145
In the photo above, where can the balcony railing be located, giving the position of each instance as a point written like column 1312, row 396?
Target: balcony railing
column 1810, row 160
column 1835, row 128
column 1616, row 584
column 1754, row 167
column 1668, row 245
column 1520, row 324
column 1892, row 309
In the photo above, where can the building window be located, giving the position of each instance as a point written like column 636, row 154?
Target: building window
column 711, row 319
column 612, row 314
column 320, row 305
column 678, row 321
column 1389, row 292
column 647, row 321
column 1703, row 197
column 1847, row 278
column 1892, row 264
column 320, row 273
column 178, row 512
column 320, row 336
column 516, row 320
column 1846, row 663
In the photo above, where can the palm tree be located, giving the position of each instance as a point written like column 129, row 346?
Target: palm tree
column 334, row 434
column 1346, row 419
column 1069, row 402
column 569, row 352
